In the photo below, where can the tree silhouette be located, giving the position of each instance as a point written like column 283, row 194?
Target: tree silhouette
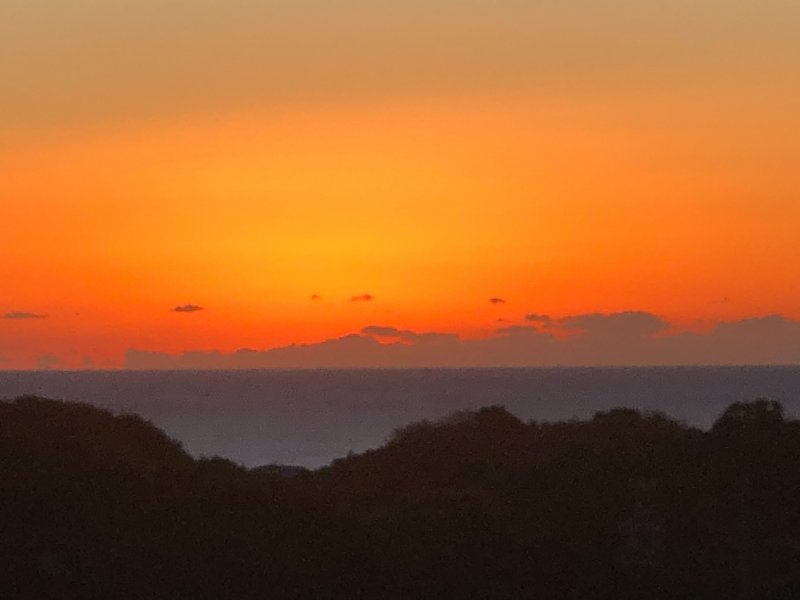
column 477, row 505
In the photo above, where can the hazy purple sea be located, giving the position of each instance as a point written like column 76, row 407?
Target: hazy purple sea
column 310, row 417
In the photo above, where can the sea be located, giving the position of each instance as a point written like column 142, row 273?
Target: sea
column 311, row 417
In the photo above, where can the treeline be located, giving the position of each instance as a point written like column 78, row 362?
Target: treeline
column 479, row 505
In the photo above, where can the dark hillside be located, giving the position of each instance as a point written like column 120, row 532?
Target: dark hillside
column 478, row 505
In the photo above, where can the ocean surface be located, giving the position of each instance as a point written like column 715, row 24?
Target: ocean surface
column 310, row 417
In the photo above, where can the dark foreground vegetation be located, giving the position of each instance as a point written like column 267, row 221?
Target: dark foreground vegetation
column 480, row 505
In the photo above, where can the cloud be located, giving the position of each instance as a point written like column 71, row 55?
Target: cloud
column 362, row 298
column 769, row 325
column 516, row 330
column 497, row 301
column 383, row 331
column 20, row 316
column 315, row 297
column 406, row 335
column 623, row 324
column 187, row 308
column 597, row 339
column 770, row 339
column 47, row 362
column 538, row 318
column 340, row 352
column 434, row 336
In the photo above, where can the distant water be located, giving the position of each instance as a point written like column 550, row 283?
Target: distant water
column 309, row 418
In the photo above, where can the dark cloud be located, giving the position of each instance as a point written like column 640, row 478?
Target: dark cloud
column 497, row 301
column 538, row 318
column 769, row 325
column 187, row 308
column 342, row 352
column 434, row 336
column 516, row 330
column 362, row 298
column 406, row 335
column 616, row 339
column 383, row 331
column 623, row 324
column 771, row 339
column 23, row 315
column 315, row 297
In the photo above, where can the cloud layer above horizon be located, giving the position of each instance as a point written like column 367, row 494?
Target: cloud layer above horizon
column 615, row 339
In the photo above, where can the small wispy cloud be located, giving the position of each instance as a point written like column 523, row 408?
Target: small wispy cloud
column 362, row 298
column 315, row 297
column 496, row 300
column 187, row 308
column 20, row 316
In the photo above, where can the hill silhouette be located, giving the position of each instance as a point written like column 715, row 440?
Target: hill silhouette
column 477, row 505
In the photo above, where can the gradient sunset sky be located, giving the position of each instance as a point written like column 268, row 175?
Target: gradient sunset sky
column 303, row 169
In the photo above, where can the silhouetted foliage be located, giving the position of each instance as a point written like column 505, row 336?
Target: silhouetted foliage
column 477, row 505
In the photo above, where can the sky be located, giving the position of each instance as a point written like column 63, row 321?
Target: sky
column 217, row 175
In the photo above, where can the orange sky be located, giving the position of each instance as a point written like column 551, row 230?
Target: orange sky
column 663, row 181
